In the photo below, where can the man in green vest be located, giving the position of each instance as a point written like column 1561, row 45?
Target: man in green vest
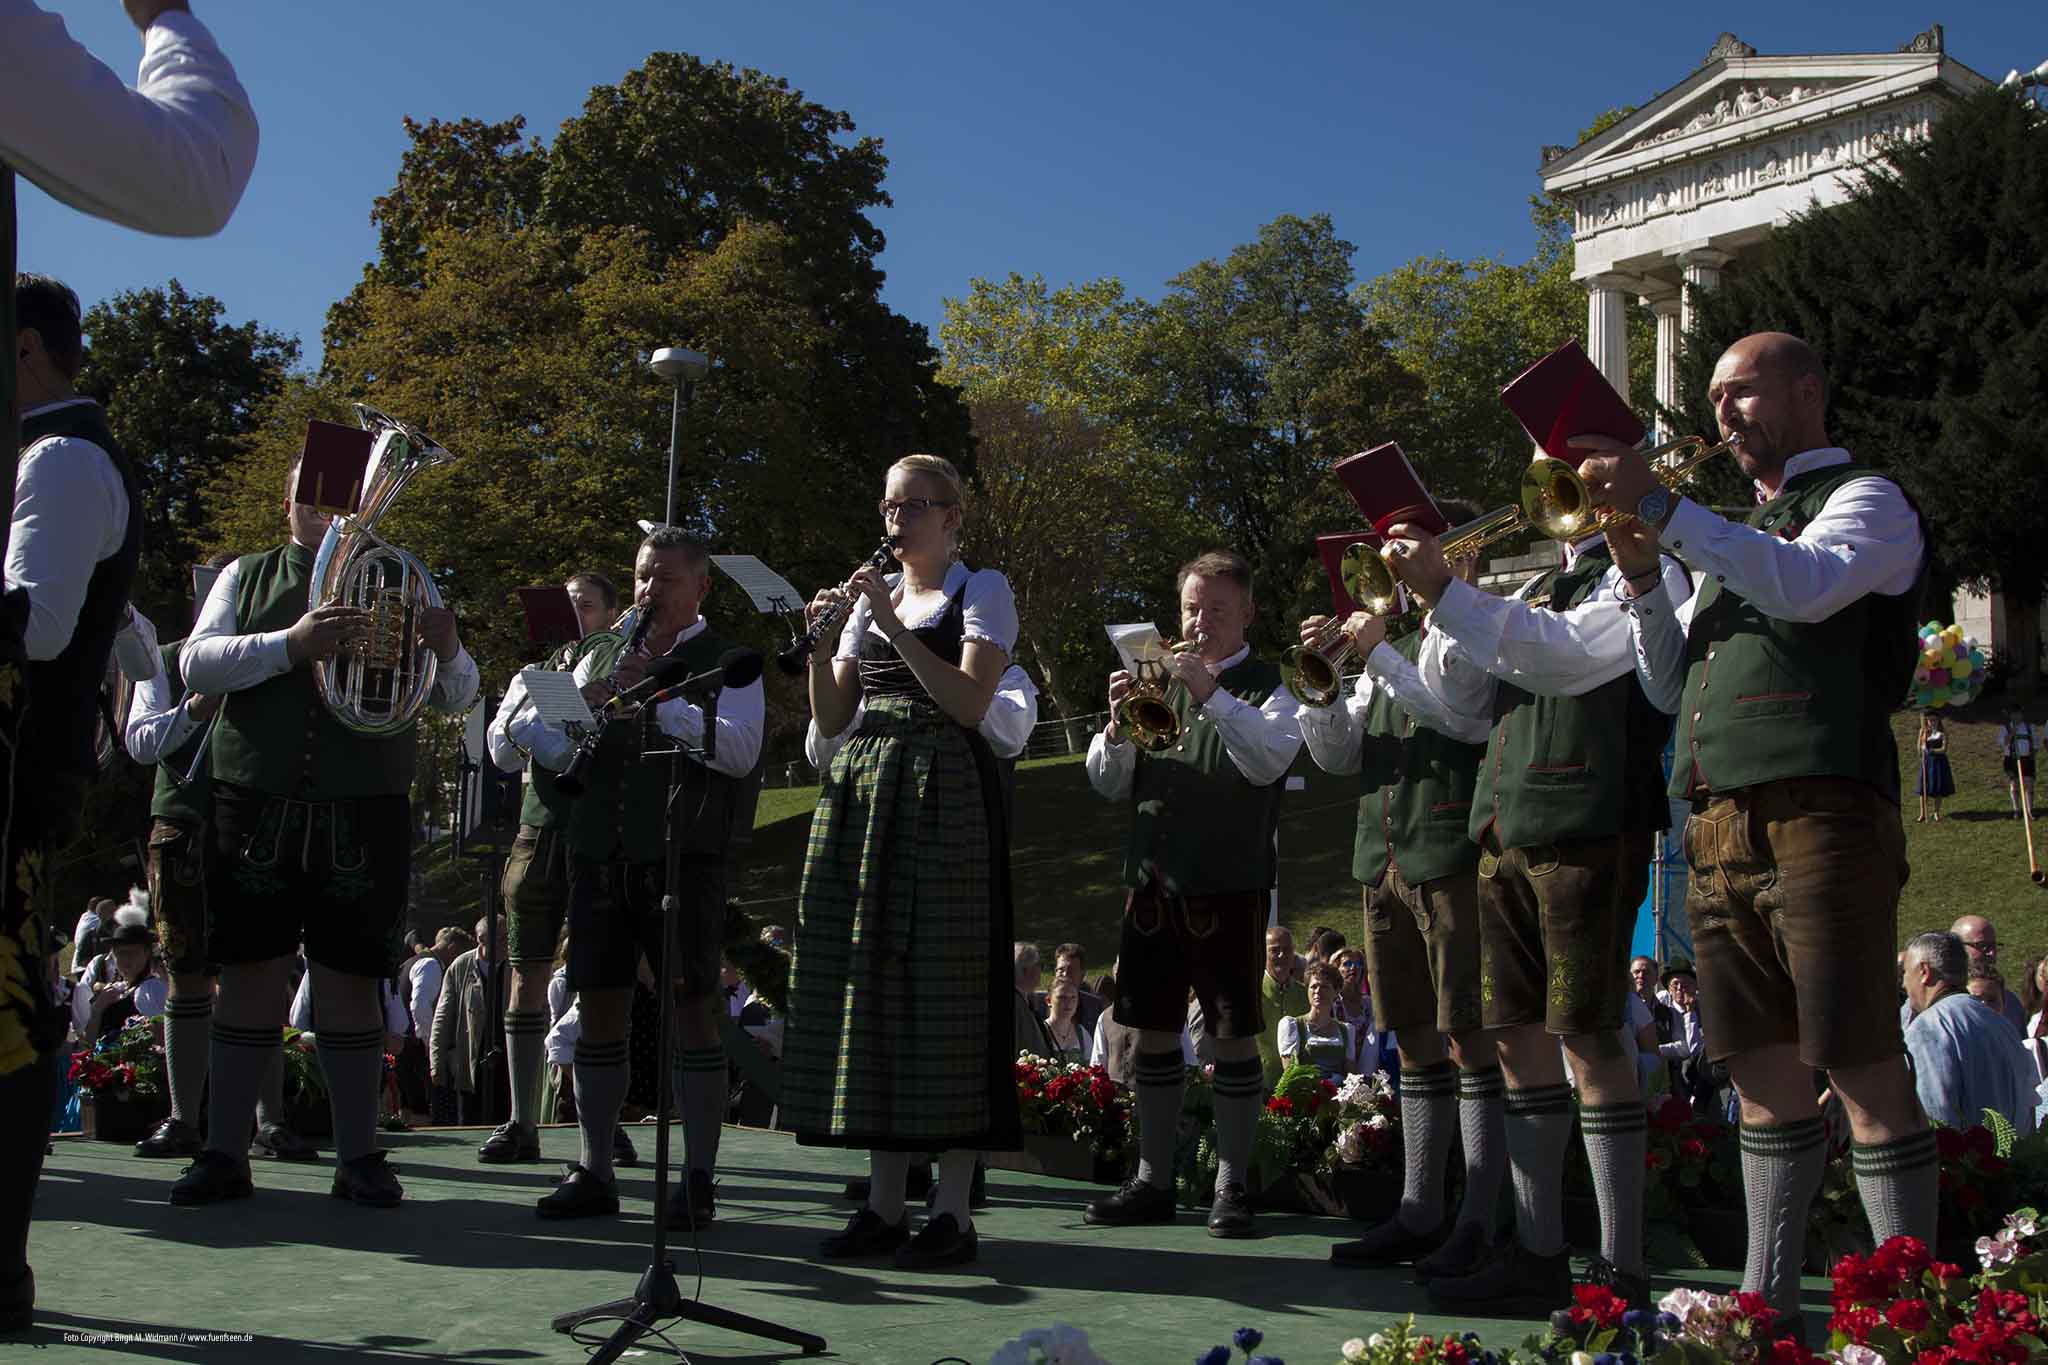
column 617, row 832
column 1784, row 669
column 313, row 833
column 535, row 887
column 1201, row 871
column 1418, row 764
column 1569, row 797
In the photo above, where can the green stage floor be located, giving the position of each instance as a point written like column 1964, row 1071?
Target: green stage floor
column 465, row 1271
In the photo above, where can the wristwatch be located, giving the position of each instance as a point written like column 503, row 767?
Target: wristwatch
column 1654, row 506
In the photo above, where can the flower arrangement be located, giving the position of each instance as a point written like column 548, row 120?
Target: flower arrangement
column 1298, row 1129
column 1367, row 1123
column 1058, row 1344
column 1976, row 1178
column 1691, row 1163
column 1901, row 1305
column 127, row 1063
column 1064, row 1099
column 1400, row 1344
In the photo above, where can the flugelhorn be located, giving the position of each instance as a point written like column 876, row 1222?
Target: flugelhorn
column 798, row 653
column 604, row 648
column 1315, row 671
column 1146, row 713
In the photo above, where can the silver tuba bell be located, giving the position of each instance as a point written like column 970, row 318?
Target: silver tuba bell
column 377, row 686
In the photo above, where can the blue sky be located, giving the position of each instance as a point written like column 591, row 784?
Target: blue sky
column 1076, row 141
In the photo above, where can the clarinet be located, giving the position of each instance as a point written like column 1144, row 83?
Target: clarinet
column 797, row 656
column 570, row 781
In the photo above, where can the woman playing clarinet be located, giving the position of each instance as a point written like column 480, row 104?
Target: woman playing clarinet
column 899, row 1038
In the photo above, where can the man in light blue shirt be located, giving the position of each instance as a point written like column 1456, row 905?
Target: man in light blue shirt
column 1966, row 1058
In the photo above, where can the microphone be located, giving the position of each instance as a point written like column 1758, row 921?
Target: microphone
column 738, row 667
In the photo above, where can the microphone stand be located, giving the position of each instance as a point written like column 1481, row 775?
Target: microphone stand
column 656, row 1299
column 490, row 1058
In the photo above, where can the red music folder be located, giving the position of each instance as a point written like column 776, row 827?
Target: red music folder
column 550, row 615
column 1563, row 395
column 1331, row 549
column 331, row 466
column 1388, row 490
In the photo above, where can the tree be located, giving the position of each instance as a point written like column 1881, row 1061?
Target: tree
column 181, row 389
column 1927, row 295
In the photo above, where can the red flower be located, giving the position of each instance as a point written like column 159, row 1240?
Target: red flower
column 1908, row 1315
column 1692, row 1149
column 1653, row 1161
column 1903, row 1258
column 1672, row 1114
column 1854, row 1323
column 1755, row 1308
column 2006, row 1305
column 1597, row 1304
column 1280, row 1104
column 1786, row 1351
column 1945, row 1270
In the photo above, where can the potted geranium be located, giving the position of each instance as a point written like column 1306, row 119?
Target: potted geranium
column 307, row 1111
column 1692, row 1192
column 121, row 1082
column 1076, row 1121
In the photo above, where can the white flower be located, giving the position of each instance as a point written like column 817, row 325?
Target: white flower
column 1683, row 1304
column 1376, row 1121
column 1354, row 1349
column 1377, row 1341
column 1997, row 1251
column 2019, row 1226
column 1582, row 1358
column 1852, row 1354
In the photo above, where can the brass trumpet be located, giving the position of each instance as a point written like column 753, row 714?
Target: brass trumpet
column 1555, row 501
column 1145, row 713
column 1315, row 671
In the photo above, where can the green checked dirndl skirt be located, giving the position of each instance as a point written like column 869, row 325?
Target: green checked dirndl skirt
column 899, row 1033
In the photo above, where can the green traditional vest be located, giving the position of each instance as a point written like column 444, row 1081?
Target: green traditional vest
column 1768, row 699
column 181, row 802
column 619, row 815
column 1565, row 768
column 543, row 805
column 1199, row 827
column 1415, row 793
column 278, row 737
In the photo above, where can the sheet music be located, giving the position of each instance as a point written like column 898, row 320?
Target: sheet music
column 1137, row 642
column 768, row 590
column 556, row 698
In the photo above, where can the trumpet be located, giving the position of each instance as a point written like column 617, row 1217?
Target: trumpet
column 792, row 659
column 1315, row 671
column 1555, row 501
column 1145, row 713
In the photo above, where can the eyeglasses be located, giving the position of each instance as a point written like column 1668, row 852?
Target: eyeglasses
column 910, row 507
column 1986, row 949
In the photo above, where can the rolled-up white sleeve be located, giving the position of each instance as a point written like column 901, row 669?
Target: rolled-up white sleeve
column 1658, row 629
column 1261, row 740
column 741, row 718
column 1110, row 766
column 1331, row 732
column 1402, row 680
column 217, row 658
column 157, row 725
column 70, row 512
column 820, row 748
column 506, row 752
column 1558, row 653
column 1012, row 713
column 171, row 156
column 456, row 683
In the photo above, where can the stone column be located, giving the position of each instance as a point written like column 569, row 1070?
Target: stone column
column 1607, row 299
column 1668, row 306
column 1702, row 272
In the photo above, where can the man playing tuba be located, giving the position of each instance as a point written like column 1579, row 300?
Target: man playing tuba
column 314, row 831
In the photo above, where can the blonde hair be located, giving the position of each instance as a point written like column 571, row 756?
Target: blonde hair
column 940, row 468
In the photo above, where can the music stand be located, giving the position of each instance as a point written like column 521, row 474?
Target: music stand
column 657, row 1298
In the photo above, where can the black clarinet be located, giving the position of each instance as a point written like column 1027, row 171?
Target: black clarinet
column 570, row 781
column 797, row 656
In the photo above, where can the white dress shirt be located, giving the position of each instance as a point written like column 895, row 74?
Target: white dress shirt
column 151, row 994
column 1332, row 732
column 566, row 1020
column 1866, row 540
column 1007, row 724
column 423, row 992
column 1261, row 740
column 217, row 658
column 158, row 721
column 172, row 155
column 70, row 512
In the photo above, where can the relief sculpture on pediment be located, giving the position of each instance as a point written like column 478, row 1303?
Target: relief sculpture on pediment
column 1746, row 102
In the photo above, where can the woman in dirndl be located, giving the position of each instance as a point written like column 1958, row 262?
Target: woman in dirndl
column 900, row 1037
column 1937, row 779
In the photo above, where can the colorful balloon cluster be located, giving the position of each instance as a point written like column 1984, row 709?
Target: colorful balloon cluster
column 1951, row 669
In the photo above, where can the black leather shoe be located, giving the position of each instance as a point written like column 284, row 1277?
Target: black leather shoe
column 1386, row 1244
column 1464, row 1251
column 940, row 1242
column 1138, row 1201
column 623, row 1152
column 1514, row 1284
column 865, row 1234
column 580, row 1195
column 276, row 1140
column 1231, row 1214
column 693, row 1206
column 18, row 1302
column 173, row 1137
column 1632, row 1288
column 367, row 1180
column 212, row 1177
column 510, row 1141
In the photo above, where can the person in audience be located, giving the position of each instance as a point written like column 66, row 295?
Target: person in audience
column 2016, row 751
column 1937, row 779
column 120, row 983
column 1980, row 939
column 1070, row 960
column 461, row 1029
column 1354, row 1001
column 1284, row 994
column 1071, row 1040
column 1688, row 1073
column 1646, row 979
column 1324, row 944
column 1029, row 1013
column 1318, row 1036
column 2032, row 990
column 1965, row 1056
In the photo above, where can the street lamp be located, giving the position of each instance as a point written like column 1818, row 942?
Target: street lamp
column 683, row 369
column 2017, row 80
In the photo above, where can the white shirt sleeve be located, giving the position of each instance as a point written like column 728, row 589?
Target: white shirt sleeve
column 1865, row 540
column 1012, row 713
column 506, row 752
column 820, row 748
column 157, row 725
column 1331, row 732
column 558, row 997
column 989, row 611
column 81, row 1005
column 1557, row 653
column 171, row 156
column 395, row 1016
column 135, row 646
column 1098, row 1051
column 1658, row 629
column 301, row 1015
column 1261, row 740
column 1290, row 1035
column 1389, row 669
column 426, row 993
column 741, row 719
column 1111, row 767
column 70, row 512
column 217, row 658
column 455, row 684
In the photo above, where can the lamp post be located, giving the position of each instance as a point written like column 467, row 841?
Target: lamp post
column 2018, row 81
column 683, row 369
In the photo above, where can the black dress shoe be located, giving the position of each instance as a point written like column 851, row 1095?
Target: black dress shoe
column 173, row 1137
column 1464, row 1251
column 1231, row 1214
column 367, row 1180
column 580, row 1195
column 1386, row 1244
column 1138, row 1201
column 510, row 1141
column 940, row 1242
column 692, row 1206
column 18, row 1302
column 1515, row 1284
column 276, row 1140
column 212, row 1177
column 1632, row 1288
column 865, row 1234
column 623, row 1152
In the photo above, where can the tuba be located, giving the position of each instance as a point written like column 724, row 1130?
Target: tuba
column 377, row 686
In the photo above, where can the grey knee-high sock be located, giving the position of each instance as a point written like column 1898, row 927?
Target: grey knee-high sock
column 1537, row 1124
column 1162, row 1084
column 886, row 1173
column 188, row 1028
column 236, row 1060
column 1486, row 1157
column 1899, row 1183
column 270, row 1096
column 1616, row 1135
column 701, row 1089
column 1781, row 1172
column 354, row 1063
column 1429, row 1106
column 526, row 1052
column 1240, row 1085
column 602, row 1074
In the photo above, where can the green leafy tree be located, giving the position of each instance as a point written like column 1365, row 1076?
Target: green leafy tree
column 1927, row 295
